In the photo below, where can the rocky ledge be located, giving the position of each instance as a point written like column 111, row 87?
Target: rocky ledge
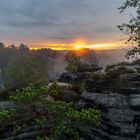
column 120, row 119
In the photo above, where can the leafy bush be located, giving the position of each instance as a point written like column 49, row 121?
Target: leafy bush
column 54, row 90
column 129, row 70
column 118, row 64
column 78, row 87
column 28, row 94
column 138, row 69
column 5, row 115
column 4, row 94
column 22, row 71
column 73, row 62
column 64, row 120
column 64, row 94
column 70, row 119
column 112, row 77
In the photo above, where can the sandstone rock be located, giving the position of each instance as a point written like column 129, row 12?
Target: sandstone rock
column 133, row 79
column 89, row 68
column 6, row 105
column 135, row 101
column 120, row 115
column 106, row 100
column 73, row 77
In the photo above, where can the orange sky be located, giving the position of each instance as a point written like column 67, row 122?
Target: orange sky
column 58, row 24
column 80, row 44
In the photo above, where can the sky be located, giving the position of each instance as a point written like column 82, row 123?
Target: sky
column 61, row 24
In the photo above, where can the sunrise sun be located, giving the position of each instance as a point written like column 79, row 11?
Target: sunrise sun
column 78, row 47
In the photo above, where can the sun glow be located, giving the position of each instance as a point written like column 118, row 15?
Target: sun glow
column 104, row 46
column 78, row 47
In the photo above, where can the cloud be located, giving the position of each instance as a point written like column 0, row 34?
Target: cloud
column 62, row 20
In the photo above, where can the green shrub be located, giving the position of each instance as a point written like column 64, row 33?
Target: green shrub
column 28, row 95
column 138, row 69
column 64, row 120
column 62, row 94
column 128, row 70
column 112, row 77
column 73, row 62
column 123, row 64
column 110, row 67
column 96, row 77
column 5, row 115
column 4, row 94
column 78, row 88
column 54, row 90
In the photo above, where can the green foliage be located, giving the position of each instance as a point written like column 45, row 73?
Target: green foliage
column 73, row 62
column 17, row 128
column 27, row 67
column 123, row 69
column 138, row 69
column 22, row 71
column 114, row 65
column 41, row 120
column 67, row 131
column 132, row 29
column 110, row 78
column 5, row 115
column 68, row 119
column 128, row 70
column 60, row 94
column 66, row 111
column 113, row 75
column 63, row 118
column 28, row 94
column 4, row 95
column 20, row 66
column 78, row 87
column 54, row 90
column 97, row 77
column 72, row 68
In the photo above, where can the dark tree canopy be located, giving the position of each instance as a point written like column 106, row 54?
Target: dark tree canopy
column 132, row 29
column 20, row 66
column 73, row 62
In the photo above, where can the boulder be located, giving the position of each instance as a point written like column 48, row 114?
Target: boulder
column 133, row 79
column 134, row 101
column 120, row 115
column 7, row 105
